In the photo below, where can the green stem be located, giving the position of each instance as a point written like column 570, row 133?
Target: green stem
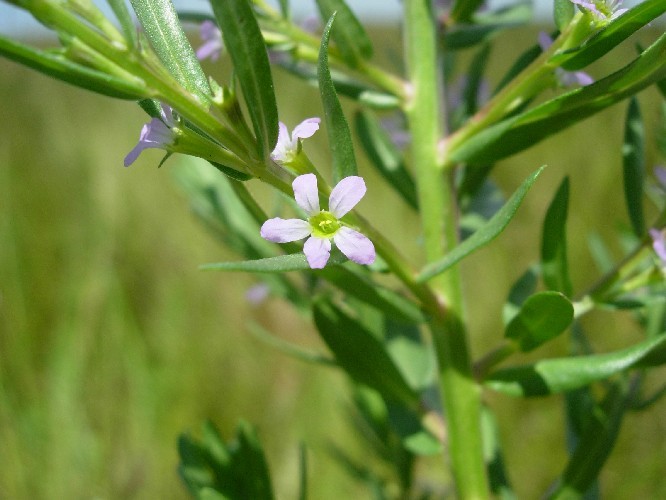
column 460, row 394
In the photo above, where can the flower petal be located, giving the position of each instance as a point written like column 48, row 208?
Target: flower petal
column 355, row 246
column 317, row 251
column 134, row 154
column 283, row 142
column 305, row 129
column 659, row 244
column 280, row 230
column 346, row 195
column 306, row 194
column 544, row 40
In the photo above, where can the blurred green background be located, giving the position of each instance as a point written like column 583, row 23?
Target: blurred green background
column 112, row 342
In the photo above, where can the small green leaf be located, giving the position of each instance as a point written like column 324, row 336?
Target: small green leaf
column 245, row 43
column 633, row 166
column 348, row 33
column 361, row 354
column 61, row 68
column 280, row 264
column 611, row 35
column 520, row 291
column 163, row 29
column 339, row 136
column 554, row 264
column 463, row 10
column 552, row 376
column 124, row 17
column 563, row 12
column 385, row 156
column 488, row 232
column 541, row 318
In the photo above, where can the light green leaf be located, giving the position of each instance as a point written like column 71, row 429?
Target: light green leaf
column 554, row 264
column 488, row 232
column 339, row 136
column 61, row 68
column 245, row 43
column 552, row 376
column 348, row 33
column 124, row 17
column 385, row 156
column 163, row 29
column 280, row 264
column 633, row 166
column 563, row 12
column 541, row 318
column 361, row 354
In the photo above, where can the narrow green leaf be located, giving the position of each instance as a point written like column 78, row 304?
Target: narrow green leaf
column 463, row 10
column 554, row 264
column 385, row 156
column 552, row 376
column 250, row 468
column 563, row 12
column 488, row 232
column 61, row 68
column 526, row 129
column 124, row 17
column 633, row 166
column 611, row 35
column 361, row 355
column 492, row 452
column 245, row 43
column 339, row 136
column 348, row 33
column 288, row 348
column 280, row 264
column 163, row 29
column 541, row 318
column 284, row 8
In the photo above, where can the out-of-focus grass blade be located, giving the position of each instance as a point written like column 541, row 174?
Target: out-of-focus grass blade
column 279, row 264
column 243, row 40
column 526, row 129
column 633, row 166
column 552, row 376
column 339, row 136
column 492, row 451
column 610, row 36
column 348, row 33
column 463, row 10
column 124, row 17
column 385, row 156
column 61, row 68
column 554, row 264
column 488, row 232
column 163, row 29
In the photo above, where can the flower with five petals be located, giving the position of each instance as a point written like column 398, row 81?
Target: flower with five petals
column 288, row 147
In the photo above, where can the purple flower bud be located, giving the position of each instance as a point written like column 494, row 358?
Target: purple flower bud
column 155, row 134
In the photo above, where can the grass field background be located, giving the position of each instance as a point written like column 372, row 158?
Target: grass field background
column 112, row 342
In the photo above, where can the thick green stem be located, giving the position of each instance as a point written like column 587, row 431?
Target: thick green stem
column 460, row 393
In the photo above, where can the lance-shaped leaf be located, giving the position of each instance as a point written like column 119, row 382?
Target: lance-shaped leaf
column 163, row 29
column 614, row 33
column 463, row 10
column 243, row 40
column 279, row 264
column 124, row 17
column 554, row 264
column 633, row 166
column 526, row 129
column 385, row 156
column 541, row 318
column 61, row 68
column 361, row 354
column 348, row 33
column 552, row 376
column 488, row 232
column 339, row 136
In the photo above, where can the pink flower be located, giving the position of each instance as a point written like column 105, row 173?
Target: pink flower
column 287, row 147
column 322, row 226
column 155, row 134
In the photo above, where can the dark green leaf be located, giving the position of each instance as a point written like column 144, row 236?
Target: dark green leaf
column 633, row 166
column 385, row 156
column 520, row 291
column 348, row 33
column 124, row 17
column 463, row 10
column 468, row 35
column 541, row 318
column 523, row 61
column 61, row 68
column 611, row 35
column 488, row 232
column 162, row 27
column 554, row 264
column 361, row 354
column 245, row 43
column 499, row 481
column 563, row 12
column 339, row 136
column 552, row 376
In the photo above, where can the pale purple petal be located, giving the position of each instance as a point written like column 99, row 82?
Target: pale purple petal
column 305, row 129
column 589, row 6
column 210, row 49
column 283, row 143
column 154, row 134
column 544, row 40
column 212, row 36
column 280, row 230
column 256, row 294
column 167, row 116
column 317, row 251
column 306, row 194
column 346, row 195
column 660, row 174
column 659, row 244
column 134, row 154
column 582, row 78
column 355, row 246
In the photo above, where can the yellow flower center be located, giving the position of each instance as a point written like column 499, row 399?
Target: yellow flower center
column 324, row 224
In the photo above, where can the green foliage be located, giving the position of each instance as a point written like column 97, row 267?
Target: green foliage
column 633, row 166
column 554, row 263
column 348, row 33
